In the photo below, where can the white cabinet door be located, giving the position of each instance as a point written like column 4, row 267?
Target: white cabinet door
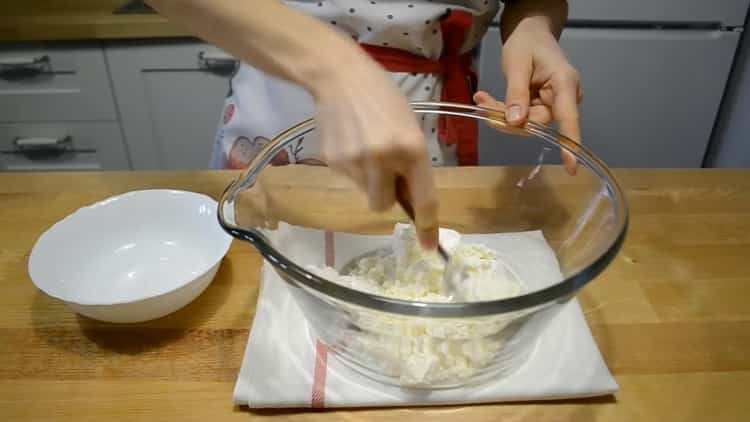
column 650, row 96
column 169, row 96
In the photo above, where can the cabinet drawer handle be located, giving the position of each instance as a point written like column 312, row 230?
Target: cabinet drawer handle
column 216, row 61
column 41, row 144
column 37, row 63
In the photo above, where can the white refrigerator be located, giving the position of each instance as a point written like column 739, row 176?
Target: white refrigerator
column 653, row 74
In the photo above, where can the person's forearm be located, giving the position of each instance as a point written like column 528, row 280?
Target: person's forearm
column 268, row 35
column 551, row 14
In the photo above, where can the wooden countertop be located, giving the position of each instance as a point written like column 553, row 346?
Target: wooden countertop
column 670, row 315
column 57, row 20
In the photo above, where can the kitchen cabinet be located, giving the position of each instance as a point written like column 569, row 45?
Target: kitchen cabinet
column 169, row 96
column 57, row 111
column 57, row 146
column 728, row 13
column 54, row 83
column 651, row 95
column 684, row 12
column 730, row 146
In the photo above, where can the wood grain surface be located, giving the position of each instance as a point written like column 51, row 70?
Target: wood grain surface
column 57, row 20
column 670, row 315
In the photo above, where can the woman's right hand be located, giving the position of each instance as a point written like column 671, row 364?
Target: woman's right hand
column 369, row 132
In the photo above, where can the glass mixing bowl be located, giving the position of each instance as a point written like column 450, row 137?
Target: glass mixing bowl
column 583, row 218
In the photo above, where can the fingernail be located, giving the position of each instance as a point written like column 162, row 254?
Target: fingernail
column 514, row 113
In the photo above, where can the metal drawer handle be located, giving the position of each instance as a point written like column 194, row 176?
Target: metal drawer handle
column 24, row 62
column 43, row 145
column 216, row 61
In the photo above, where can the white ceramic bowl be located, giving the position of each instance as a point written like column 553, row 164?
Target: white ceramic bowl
column 132, row 257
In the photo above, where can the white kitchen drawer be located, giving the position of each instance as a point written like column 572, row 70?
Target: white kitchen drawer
column 42, row 83
column 71, row 146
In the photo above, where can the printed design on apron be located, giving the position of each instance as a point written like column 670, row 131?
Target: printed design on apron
column 244, row 150
column 228, row 113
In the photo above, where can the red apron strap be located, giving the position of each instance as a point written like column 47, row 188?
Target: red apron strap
column 458, row 87
column 458, row 78
column 396, row 60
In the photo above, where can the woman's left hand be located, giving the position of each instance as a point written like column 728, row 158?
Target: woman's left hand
column 541, row 84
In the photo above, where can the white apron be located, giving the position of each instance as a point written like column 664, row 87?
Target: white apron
column 259, row 106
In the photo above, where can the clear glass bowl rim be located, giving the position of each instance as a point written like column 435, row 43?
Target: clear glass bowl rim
column 297, row 276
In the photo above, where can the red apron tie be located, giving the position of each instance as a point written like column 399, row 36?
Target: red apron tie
column 458, row 77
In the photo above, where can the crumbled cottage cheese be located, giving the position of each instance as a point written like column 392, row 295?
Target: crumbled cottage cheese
column 426, row 351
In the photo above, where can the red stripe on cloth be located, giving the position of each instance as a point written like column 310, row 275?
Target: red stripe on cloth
column 318, row 397
column 329, row 249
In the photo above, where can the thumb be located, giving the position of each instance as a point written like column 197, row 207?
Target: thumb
column 518, row 74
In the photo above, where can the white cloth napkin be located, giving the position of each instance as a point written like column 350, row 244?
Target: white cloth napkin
column 284, row 368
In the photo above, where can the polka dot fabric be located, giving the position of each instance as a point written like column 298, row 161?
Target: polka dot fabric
column 413, row 26
column 263, row 106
